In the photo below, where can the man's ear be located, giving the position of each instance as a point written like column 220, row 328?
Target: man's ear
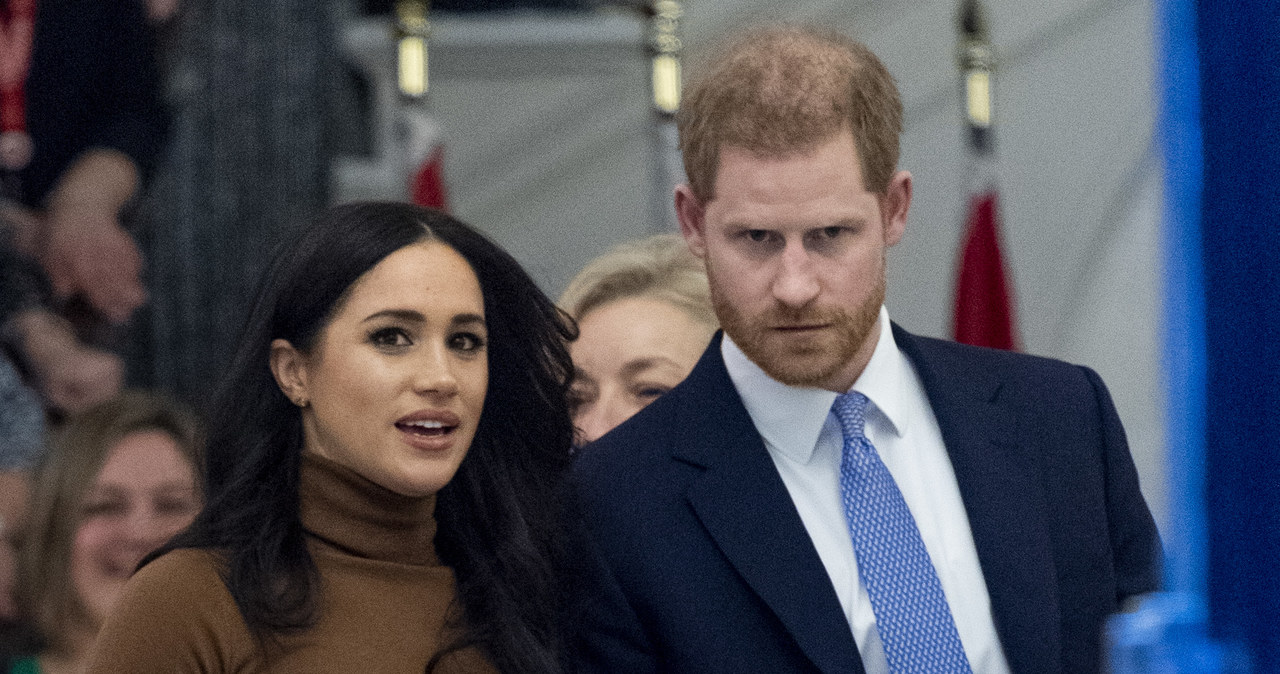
column 894, row 206
column 692, row 216
column 289, row 367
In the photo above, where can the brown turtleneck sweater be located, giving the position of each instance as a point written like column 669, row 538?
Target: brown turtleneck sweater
column 383, row 596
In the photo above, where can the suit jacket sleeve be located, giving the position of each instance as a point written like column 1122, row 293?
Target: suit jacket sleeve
column 1134, row 541
column 608, row 637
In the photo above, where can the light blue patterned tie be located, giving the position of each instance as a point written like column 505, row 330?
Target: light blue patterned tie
column 912, row 615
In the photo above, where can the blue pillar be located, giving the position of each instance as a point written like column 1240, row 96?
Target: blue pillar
column 1220, row 135
column 1240, row 235
column 1183, row 328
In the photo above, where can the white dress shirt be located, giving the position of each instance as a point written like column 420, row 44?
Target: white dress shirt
column 805, row 442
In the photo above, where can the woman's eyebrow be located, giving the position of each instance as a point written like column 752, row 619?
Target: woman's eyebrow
column 465, row 319
column 416, row 317
column 402, row 314
column 641, row 364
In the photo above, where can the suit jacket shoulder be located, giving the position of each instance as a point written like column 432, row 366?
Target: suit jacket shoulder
column 1062, row 531
column 683, row 508
column 701, row 560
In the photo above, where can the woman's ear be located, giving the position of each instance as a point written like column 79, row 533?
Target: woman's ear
column 289, row 367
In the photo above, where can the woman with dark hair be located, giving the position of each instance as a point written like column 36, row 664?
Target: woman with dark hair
column 382, row 469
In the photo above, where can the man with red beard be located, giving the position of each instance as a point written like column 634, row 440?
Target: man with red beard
column 826, row 492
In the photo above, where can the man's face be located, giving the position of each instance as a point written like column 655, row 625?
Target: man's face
column 795, row 252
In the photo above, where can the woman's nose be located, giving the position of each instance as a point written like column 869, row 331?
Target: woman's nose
column 434, row 374
column 601, row 418
column 146, row 529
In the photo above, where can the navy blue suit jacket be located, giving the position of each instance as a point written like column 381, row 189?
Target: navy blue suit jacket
column 696, row 560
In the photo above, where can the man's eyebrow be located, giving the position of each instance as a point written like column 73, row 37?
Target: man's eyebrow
column 850, row 222
column 742, row 226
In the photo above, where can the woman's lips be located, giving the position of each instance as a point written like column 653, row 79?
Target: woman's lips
column 119, row 567
column 429, row 429
column 425, row 428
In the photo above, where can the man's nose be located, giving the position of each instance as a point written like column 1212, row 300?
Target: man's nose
column 796, row 283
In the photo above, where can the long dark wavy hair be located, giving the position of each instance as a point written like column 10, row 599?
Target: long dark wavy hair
column 498, row 519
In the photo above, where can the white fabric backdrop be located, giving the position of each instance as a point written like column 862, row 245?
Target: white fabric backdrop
column 551, row 150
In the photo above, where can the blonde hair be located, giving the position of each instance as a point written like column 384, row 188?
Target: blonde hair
column 783, row 90
column 659, row 267
column 62, row 479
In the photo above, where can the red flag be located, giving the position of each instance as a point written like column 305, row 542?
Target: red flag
column 423, row 144
column 984, row 308
column 427, row 185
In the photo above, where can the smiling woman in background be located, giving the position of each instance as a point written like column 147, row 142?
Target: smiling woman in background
column 644, row 317
column 381, row 471
column 117, row 482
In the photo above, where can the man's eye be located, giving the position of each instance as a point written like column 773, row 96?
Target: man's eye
column 832, row 232
column 390, row 337
column 758, row 235
column 466, row 341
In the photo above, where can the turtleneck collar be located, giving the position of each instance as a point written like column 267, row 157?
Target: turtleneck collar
column 348, row 512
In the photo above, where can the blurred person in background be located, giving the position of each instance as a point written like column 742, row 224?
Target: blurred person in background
column 644, row 317
column 41, row 357
column 162, row 12
column 382, row 472
column 81, row 125
column 43, row 364
column 10, row 632
column 117, row 482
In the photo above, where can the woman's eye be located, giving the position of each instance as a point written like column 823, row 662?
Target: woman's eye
column 103, row 508
column 576, row 398
column 177, row 506
column 651, row 393
column 466, row 341
column 581, row 394
column 390, row 337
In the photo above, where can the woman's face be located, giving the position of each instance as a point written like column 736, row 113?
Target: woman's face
column 395, row 383
column 144, row 494
column 629, row 352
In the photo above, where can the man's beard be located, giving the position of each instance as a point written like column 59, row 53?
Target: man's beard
column 794, row 360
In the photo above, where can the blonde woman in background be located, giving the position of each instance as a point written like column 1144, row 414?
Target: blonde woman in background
column 118, row 481
column 644, row 316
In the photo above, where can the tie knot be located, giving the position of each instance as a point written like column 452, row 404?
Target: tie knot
column 851, row 410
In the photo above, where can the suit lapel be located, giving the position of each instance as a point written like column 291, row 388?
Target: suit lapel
column 744, row 506
column 1001, row 486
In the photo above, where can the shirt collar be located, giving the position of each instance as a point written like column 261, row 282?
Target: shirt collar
column 791, row 418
